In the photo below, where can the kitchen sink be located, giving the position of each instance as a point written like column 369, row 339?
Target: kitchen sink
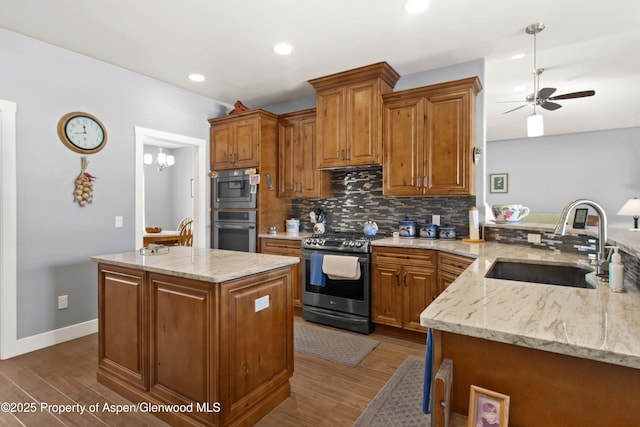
column 545, row 273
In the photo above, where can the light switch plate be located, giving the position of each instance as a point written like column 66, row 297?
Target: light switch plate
column 534, row 238
column 119, row 221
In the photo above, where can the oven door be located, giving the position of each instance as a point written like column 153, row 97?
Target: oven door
column 235, row 235
column 232, row 190
column 347, row 296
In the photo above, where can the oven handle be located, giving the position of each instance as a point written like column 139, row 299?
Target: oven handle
column 221, row 224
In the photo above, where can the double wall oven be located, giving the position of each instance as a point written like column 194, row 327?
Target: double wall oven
column 340, row 302
column 234, row 214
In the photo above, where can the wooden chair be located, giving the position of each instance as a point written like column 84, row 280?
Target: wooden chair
column 186, row 234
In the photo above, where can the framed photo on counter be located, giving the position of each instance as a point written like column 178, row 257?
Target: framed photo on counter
column 488, row 408
column 498, row 182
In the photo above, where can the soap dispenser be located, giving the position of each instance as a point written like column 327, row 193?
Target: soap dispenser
column 616, row 271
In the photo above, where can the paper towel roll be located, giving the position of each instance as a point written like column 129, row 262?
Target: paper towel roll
column 474, row 224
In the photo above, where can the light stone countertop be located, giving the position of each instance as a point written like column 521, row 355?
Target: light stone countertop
column 286, row 236
column 594, row 324
column 208, row 265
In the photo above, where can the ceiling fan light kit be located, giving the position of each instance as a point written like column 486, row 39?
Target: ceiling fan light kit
column 535, row 125
column 542, row 97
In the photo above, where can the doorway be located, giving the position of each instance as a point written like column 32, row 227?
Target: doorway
column 197, row 190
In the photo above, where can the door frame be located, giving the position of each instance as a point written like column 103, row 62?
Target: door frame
column 145, row 136
column 8, row 234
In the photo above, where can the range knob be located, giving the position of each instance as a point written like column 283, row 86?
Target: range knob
column 352, row 243
column 359, row 244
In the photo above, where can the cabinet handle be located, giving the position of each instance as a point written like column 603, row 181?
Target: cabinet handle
column 418, row 181
column 341, row 154
column 348, row 153
column 404, row 279
column 424, row 181
column 397, row 278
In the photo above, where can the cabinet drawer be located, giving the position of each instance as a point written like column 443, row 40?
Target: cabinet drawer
column 280, row 246
column 452, row 263
column 418, row 257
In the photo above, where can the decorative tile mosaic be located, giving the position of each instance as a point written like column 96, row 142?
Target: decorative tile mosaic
column 357, row 198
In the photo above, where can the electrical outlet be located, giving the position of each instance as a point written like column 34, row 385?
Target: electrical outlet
column 534, row 238
column 63, row 302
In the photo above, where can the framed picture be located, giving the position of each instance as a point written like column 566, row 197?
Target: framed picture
column 488, row 408
column 498, row 182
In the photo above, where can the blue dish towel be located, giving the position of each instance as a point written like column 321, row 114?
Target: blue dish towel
column 428, row 375
column 317, row 277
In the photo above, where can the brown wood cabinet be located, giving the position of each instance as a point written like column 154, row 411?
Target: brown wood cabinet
column 429, row 139
column 288, row 248
column 403, row 285
column 298, row 175
column 236, row 140
column 210, row 347
column 349, row 125
column 450, row 266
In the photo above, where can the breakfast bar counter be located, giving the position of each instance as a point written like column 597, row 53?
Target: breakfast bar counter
column 565, row 355
column 205, row 336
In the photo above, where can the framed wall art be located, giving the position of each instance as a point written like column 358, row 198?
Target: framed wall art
column 488, row 408
column 498, row 182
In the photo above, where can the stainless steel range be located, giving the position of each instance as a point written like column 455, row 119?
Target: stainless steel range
column 339, row 301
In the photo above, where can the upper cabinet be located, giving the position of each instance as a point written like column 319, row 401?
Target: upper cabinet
column 236, row 139
column 348, row 111
column 429, row 139
column 298, row 175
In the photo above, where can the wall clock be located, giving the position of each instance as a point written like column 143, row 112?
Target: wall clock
column 82, row 132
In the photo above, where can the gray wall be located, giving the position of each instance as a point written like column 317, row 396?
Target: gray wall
column 55, row 236
column 546, row 173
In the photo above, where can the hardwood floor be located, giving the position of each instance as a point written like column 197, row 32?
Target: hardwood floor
column 323, row 393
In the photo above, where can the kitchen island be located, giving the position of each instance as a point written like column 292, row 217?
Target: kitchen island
column 565, row 356
column 197, row 336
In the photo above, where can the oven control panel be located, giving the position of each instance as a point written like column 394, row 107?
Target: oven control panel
column 345, row 245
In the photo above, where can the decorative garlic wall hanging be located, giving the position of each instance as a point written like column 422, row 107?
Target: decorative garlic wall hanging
column 84, row 185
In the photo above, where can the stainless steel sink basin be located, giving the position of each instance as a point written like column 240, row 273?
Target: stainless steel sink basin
column 545, row 273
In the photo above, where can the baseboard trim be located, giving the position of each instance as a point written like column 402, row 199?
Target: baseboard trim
column 47, row 339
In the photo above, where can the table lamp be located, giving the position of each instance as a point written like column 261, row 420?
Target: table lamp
column 632, row 208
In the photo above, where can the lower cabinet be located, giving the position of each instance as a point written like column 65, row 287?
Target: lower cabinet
column 288, row 248
column 403, row 284
column 223, row 351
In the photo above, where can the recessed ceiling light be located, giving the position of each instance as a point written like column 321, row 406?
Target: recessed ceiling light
column 283, row 48
column 518, row 56
column 196, row 77
column 416, row 6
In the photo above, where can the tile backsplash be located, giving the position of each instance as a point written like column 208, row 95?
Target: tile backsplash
column 357, row 198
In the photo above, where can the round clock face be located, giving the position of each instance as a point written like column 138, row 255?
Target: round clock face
column 82, row 133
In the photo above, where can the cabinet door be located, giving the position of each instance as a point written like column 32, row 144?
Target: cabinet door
column 331, row 127
column 183, row 341
column 246, row 139
column 449, row 166
column 403, row 145
column 123, row 339
column 256, row 335
column 386, row 295
column 288, row 157
column 288, row 248
column 309, row 177
column 221, row 147
column 445, row 279
column 420, row 288
column 362, row 119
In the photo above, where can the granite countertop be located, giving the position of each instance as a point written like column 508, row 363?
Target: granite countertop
column 594, row 324
column 208, row 265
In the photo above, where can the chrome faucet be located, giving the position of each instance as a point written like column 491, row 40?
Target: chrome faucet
column 561, row 228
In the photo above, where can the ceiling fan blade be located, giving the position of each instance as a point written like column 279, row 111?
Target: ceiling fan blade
column 514, row 109
column 545, row 92
column 574, row 95
column 550, row 105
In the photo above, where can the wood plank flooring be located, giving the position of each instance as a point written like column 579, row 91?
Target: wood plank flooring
column 323, row 393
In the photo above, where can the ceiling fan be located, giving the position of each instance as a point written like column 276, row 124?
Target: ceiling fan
column 543, row 97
